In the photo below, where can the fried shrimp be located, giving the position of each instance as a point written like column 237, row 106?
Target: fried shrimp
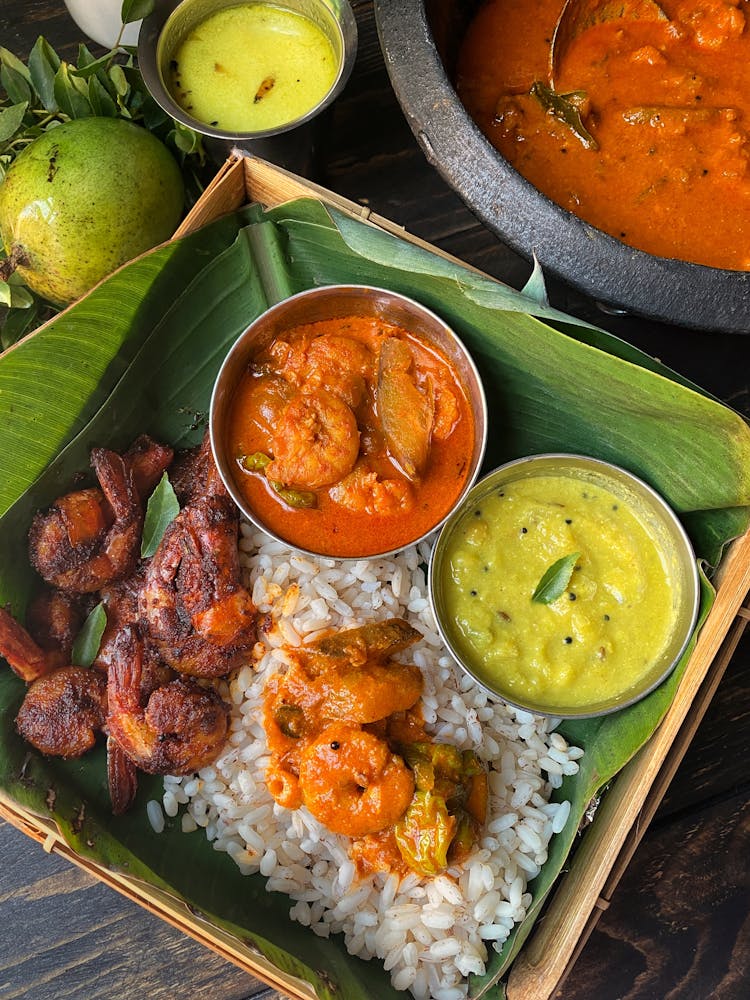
column 178, row 728
column 65, row 706
column 25, row 657
column 90, row 538
column 64, row 711
column 192, row 600
column 315, row 442
column 54, row 619
column 352, row 782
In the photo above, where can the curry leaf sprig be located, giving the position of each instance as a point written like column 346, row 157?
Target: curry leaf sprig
column 555, row 579
column 46, row 91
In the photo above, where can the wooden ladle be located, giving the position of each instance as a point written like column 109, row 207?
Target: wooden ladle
column 578, row 16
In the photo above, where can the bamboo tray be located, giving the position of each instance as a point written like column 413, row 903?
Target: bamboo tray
column 602, row 854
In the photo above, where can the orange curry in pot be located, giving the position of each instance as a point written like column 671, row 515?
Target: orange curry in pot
column 347, row 740
column 659, row 155
column 352, row 436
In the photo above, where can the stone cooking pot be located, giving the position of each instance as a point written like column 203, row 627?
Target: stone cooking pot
column 420, row 40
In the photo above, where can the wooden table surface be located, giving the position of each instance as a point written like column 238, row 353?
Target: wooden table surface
column 679, row 923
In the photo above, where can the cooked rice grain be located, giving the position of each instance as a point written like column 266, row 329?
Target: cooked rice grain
column 429, row 933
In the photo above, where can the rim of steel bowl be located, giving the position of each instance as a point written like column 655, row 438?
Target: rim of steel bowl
column 618, row 276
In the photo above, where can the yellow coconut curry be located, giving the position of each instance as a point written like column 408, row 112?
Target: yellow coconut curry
column 347, row 741
column 645, row 131
column 607, row 612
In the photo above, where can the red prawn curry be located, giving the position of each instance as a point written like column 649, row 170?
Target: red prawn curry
column 347, row 740
column 351, row 436
column 659, row 154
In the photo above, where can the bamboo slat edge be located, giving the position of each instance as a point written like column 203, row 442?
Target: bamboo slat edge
column 541, row 964
column 244, row 177
column 158, row 902
column 659, row 787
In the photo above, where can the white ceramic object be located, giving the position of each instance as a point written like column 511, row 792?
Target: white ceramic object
column 100, row 20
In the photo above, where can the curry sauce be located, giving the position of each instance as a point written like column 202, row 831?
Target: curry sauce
column 351, row 436
column 666, row 99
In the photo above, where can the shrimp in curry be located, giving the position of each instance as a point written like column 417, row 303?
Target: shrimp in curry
column 351, row 435
column 347, row 741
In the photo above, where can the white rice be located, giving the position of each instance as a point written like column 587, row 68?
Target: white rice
column 430, row 934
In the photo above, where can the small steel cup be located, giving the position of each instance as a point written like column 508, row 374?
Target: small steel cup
column 291, row 145
column 668, row 536
column 329, row 302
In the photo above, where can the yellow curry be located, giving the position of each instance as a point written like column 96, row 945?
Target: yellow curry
column 253, row 67
column 587, row 640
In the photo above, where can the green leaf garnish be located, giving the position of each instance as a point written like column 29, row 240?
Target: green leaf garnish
column 162, row 508
column 555, row 580
column 88, row 640
column 566, row 109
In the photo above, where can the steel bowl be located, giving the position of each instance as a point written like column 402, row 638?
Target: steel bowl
column 654, row 513
column 290, row 144
column 420, row 40
column 329, row 302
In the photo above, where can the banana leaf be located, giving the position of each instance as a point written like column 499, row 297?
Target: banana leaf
column 140, row 353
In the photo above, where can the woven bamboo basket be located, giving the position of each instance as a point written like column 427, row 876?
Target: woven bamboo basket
column 604, row 851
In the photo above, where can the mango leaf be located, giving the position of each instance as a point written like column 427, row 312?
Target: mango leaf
column 100, row 100
column 69, row 98
column 134, row 10
column 44, row 63
column 16, row 84
column 17, row 323
column 162, row 508
column 88, row 640
column 555, row 579
column 11, row 119
column 140, row 353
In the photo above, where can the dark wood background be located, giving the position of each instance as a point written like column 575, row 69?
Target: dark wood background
column 679, row 924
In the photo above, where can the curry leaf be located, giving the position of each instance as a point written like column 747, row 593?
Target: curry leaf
column 566, row 109
column 88, row 640
column 14, row 63
column 100, row 100
column 162, row 508
column 18, row 322
column 555, row 579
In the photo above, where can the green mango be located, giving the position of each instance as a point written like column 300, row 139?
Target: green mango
column 83, row 198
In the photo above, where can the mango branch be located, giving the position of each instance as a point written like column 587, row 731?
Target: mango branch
column 16, row 258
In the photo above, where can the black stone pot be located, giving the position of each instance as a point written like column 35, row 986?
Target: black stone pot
column 420, row 39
